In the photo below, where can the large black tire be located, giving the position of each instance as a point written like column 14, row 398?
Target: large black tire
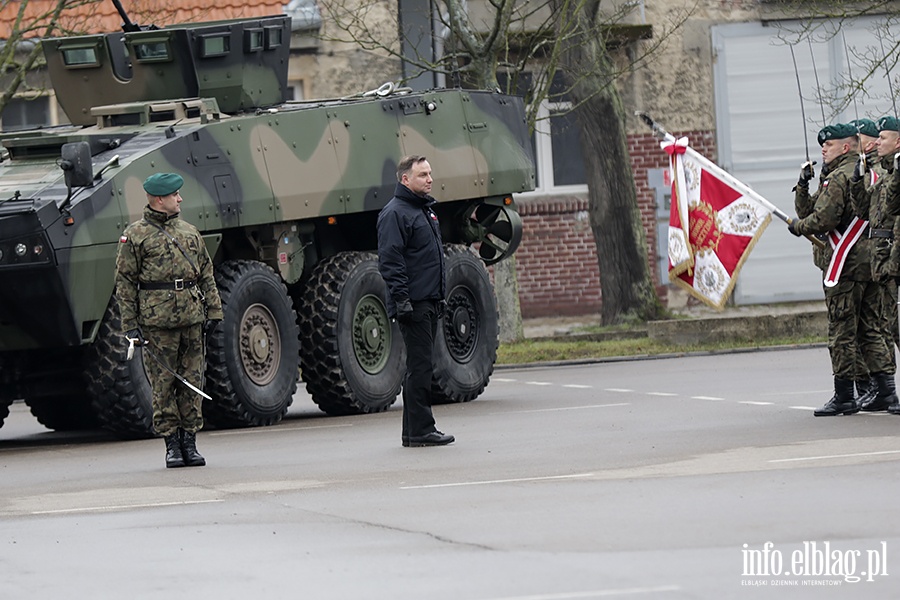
column 253, row 355
column 353, row 359
column 57, row 395
column 4, row 409
column 120, row 392
column 64, row 413
column 465, row 348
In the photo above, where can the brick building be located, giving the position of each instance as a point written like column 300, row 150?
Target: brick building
column 714, row 78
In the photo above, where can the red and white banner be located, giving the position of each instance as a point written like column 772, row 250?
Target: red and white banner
column 712, row 225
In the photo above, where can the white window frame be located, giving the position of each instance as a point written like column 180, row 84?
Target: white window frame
column 543, row 158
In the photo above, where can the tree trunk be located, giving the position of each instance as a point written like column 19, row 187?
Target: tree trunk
column 628, row 293
column 482, row 74
column 506, row 287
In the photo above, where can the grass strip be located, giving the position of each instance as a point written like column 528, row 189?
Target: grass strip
column 561, row 349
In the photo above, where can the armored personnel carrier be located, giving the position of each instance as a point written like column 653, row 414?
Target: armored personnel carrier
column 286, row 195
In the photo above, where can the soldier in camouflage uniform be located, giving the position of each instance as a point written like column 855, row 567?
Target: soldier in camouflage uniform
column 167, row 296
column 853, row 328
column 868, row 139
column 868, row 194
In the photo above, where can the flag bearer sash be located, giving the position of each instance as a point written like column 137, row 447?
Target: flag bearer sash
column 842, row 244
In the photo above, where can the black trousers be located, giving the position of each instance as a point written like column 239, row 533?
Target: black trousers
column 418, row 334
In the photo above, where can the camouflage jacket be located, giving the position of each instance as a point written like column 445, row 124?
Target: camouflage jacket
column 892, row 193
column 147, row 255
column 870, row 203
column 829, row 208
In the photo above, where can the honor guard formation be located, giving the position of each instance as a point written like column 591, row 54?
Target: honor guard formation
column 854, row 211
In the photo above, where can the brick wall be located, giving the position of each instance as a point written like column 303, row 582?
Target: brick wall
column 557, row 261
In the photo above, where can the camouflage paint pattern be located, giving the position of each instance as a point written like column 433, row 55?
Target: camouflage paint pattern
column 147, row 255
column 287, row 185
column 174, row 404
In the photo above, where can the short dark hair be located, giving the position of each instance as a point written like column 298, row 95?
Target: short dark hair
column 406, row 164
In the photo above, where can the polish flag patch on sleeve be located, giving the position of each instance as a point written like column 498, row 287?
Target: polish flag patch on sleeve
column 123, row 239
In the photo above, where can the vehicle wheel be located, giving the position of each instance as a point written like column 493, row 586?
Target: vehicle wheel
column 352, row 358
column 4, row 410
column 119, row 389
column 66, row 412
column 253, row 355
column 465, row 347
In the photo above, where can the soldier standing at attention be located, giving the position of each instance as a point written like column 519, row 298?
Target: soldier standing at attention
column 167, row 295
column 850, row 293
column 869, row 197
column 411, row 261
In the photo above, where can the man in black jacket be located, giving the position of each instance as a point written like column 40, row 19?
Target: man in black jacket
column 411, row 261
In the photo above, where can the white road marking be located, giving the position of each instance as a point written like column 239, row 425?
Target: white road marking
column 666, row 394
column 782, row 460
column 617, row 390
column 597, row 593
column 803, row 407
column 805, row 393
column 278, row 429
column 538, row 383
column 540, row 410
column 752, row 403
column 121, row 507
column 714, row 398
column 577, row 386
column 493, row 481
column 504, row 380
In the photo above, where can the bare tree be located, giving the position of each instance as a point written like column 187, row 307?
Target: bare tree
column 818, row 22
column 574, row 36
column 21, row 51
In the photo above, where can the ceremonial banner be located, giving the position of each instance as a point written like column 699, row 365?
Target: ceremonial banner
column 712, row 225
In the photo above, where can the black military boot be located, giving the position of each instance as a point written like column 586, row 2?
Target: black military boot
column 174, row 457
column 886, row 394
column 866, row 391
column 842, row 403
column 192, row 458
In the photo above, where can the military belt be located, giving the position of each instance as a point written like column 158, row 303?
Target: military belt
column 881, row 233
column 177, row 285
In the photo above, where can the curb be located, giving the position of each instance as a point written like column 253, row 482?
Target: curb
column 641, row 357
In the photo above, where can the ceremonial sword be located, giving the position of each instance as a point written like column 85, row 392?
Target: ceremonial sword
column 811, row 163
column 862, row 151
column 133, row 342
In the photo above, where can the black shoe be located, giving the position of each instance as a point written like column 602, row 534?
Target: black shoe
column 887, row 395
column 876, row 404
column 835, row 408
column 405, row 441
column 192, row 458
column 842, row 403
column 866, row 391
column 174, row 457
column 435, row 438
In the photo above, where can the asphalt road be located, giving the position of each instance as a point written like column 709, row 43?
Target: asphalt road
column 636, row 479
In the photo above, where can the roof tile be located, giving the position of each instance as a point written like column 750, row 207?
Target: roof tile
column 102, row 17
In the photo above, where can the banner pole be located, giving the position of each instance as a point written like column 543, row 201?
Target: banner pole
column 726, row 176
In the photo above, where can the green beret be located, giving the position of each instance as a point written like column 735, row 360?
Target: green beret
column 888, row 123
column 838, row 131
column 866, row 127
column 163, row 184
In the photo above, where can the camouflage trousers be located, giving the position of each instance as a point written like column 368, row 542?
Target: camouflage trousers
column 891, row 317
column 174, row 404
column 857, row 327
